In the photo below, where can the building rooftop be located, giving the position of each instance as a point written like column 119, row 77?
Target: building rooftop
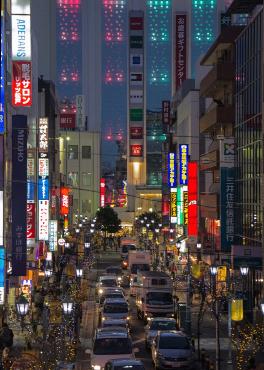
column 223, row 41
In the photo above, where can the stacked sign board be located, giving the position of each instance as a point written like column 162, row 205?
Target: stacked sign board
column 136, row 86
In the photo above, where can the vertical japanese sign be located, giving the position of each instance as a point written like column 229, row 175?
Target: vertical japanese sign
column 180, row 215
column 43, row 178
column 102, row 192
column 31, row 220
column 173, row 206
column 64, row 201
column 80, row 112
column 53, row 238
column 227, row 173
column 21, row 84
column 19, row 195
column 183, row 158
column 185, row 208
column 2, row 71
column 193, row 199
column 180, row 49
column 2, row 275
column 172, row 170
column 166, row 112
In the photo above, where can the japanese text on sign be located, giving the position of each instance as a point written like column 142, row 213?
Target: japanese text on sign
column 181, row 49
column 172, row 175
column 173, row 206
column 21, row 84
column 165, row 112
column 43, row 135
column 183, row 149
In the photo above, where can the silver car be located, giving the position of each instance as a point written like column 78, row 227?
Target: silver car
column 172, row 349
column 158, row 324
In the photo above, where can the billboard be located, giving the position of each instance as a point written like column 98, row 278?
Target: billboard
column 2, row 275
column 172, row 170
column 31, row 220
column 67, row 120
column 180, row 49
column 43, row 220
column 183, row 158
column 173, row 205
column 19, row 195
column 21, row 37
column 64, row 201
column 193, row 199
column 136, row 150
column 43, row 135
column 2, row 77
column 21, row 84
column 53, row 238
column 166, row 112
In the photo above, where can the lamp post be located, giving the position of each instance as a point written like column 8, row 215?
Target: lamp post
column 67, row 308
column 22, row 307
column 213, row 272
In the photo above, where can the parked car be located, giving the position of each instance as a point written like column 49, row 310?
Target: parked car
column 108, row 323
column 111, row 293
column 115, row 270
column 158, row 324
column 124, row 364
column 106, row 281
column 110, row 346
column 172, row 349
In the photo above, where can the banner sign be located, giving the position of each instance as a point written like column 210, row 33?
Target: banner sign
column 53, row 236
column 181, row 50
column 185, row 208
column 172, row 170
column 183, row 157
column 166, row 112
column 80, row 112
column 193, row 199
column 31, row 220
column 227, row 208
column 21, row 84
column 30, row 190
column 136, row 150
column 19, row 195
column 180, row 205
column 173, row 206
column 2, row 275
column 43, row 220
column 21, row 37
column 67, row 120
column 43, row 135
column 2, row 77
column 64, row 201
column 136, row 132
column 43, row 188
column 102, row 192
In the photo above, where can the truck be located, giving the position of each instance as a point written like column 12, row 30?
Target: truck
column 154, row 295
column 138, row 261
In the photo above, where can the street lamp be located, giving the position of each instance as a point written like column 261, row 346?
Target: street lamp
column 77, row 231
column 79, row 272
column 22, row 306
column 147, row 225
column 80, row 225
column 48, row 272
column 87, row 245
column 244, row 270
column 262, row 307
column 92, row 225
column 67, row 245
column 67, row 306
column 142, row 221
column 199, row 245
column 157, row 231
column 213, row 270
column 92, row 231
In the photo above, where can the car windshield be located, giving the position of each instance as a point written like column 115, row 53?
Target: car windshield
column 108, row 282
column 129, row 367
column 139, row 267
column 159, row 298
column 162, row 325
column 113, row 295
column 173, row 342
column 114, row 270
column 111, row 324
column 112, row 346
column 116, row 308
column 128, row 247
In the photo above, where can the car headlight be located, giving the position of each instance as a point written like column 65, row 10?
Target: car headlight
column 96, row 367
column 103, row 318
column 101, row 291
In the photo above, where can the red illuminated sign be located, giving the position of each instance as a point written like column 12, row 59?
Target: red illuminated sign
column 180, row 50
column 67, row 120
column 193, row 199
column 64, row 201
column 21, row 84
column 136, row 23
column 136, row 132
column 136, row 150
column 31, row 219
column 102, row 192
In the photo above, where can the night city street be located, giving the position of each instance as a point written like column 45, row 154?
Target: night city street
column 132, row 185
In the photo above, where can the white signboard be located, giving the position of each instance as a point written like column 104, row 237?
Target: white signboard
column 43, row 167
column 80, row 112
column 21, row 37
column 43, row 135
column 43, row 220
column 20, row 6
column 53, row 235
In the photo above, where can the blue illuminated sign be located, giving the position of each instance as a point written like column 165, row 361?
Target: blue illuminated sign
column 172, row 173
column 30, row 190
column 183, row 158
column 2, row 275
column 43, row 188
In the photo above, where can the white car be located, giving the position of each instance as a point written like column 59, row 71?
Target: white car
column 158, row 324
column 115, row 308
column 109, row 346
column 111, row 293
column 106, row 281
